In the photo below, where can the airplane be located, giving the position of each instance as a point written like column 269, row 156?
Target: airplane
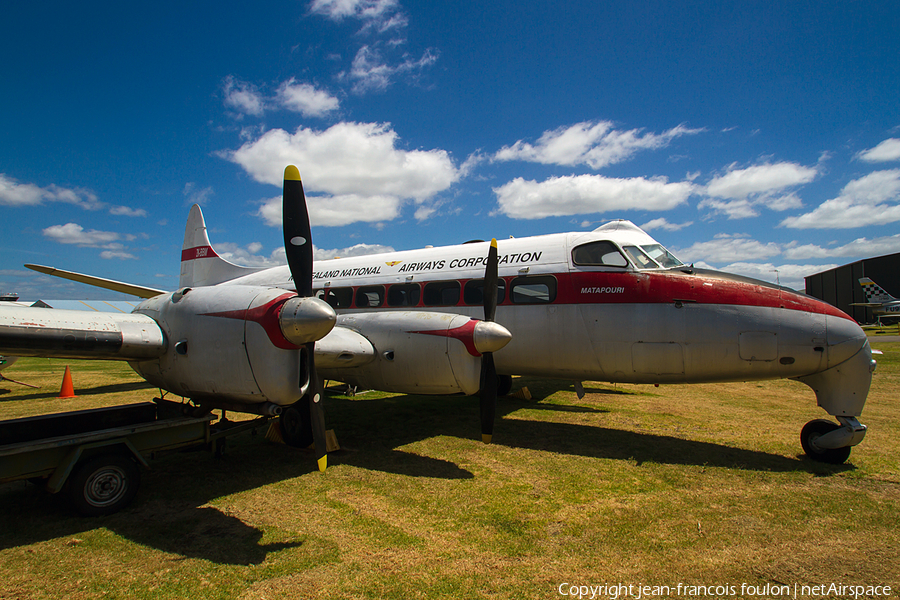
column 881, row 302
column 611, row 305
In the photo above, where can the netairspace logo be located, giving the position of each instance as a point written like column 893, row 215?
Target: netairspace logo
column 744, row 590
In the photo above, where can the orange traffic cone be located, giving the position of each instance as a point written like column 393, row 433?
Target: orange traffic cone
column 67, row 390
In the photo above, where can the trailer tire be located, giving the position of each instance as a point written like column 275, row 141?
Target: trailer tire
column 103, row 484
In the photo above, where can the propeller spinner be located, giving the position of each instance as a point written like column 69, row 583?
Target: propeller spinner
column 298, row 247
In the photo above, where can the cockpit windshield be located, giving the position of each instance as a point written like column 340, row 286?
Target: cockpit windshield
column 662, row 256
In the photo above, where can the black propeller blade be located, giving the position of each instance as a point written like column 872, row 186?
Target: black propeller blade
column 488, row 370
column 298, row 247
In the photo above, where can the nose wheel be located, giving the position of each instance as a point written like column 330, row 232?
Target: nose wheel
column 815, row 443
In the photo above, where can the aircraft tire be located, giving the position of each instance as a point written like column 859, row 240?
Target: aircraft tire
column 296, row 427
column 103, row 484
column 504, row 385
column 816, row 429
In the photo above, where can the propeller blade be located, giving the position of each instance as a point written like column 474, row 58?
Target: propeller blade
column 298, row 248
column 297, row 234
column 490, row 282
column 316, row 410
column 488, row 393
column 488, row 396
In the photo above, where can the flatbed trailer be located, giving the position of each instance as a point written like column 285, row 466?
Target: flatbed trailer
column 94, row 456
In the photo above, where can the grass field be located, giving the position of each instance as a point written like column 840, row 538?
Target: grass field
column 635, row 485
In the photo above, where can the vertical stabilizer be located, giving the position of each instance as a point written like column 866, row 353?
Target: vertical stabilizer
column 200, row 265
column 875, row 294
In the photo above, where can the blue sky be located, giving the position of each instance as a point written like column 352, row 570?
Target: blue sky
column 758, row 138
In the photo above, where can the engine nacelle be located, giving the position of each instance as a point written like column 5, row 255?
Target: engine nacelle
column 229, row 342
column 420, row 352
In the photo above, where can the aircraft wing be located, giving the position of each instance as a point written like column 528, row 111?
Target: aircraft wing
column 109, row 284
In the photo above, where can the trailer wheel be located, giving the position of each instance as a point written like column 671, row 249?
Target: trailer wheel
column 103, row 484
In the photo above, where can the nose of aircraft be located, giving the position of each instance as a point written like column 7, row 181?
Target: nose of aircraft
column 490, row 336
column 843, row 337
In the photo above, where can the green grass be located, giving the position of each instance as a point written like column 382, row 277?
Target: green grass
column 631, row 484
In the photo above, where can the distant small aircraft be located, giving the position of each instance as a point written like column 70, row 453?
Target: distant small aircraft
column 881, row 302
column 608, row 305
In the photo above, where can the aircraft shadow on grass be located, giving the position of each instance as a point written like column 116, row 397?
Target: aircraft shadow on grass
column 172, row 511
column 47, row 393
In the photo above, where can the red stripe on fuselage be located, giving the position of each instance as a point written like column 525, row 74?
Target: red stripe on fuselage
column 197, row 252
column 669, row 287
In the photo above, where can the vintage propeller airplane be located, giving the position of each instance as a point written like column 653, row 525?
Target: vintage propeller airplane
column 608, row 305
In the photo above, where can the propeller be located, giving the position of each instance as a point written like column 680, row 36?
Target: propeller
column 488, row 370
column 299, row 251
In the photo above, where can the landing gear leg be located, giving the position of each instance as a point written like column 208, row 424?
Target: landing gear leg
column 818, row 437
column 296, row 427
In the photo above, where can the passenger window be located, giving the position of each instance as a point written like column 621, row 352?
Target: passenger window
column 336, row 297
column 598, row 254
column 370, row 296
column 441, row 293
column 473, row 293
column 534, row 289
column 640, row 258
column 403, row 294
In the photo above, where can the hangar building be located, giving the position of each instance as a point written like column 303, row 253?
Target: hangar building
column 840, row 286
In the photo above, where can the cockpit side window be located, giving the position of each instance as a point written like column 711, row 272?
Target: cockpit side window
column 599, row 254
column 662, row 256
column 640, row 258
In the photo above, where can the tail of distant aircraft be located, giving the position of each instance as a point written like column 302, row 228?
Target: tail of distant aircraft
column 875, row 294
column 200, row 265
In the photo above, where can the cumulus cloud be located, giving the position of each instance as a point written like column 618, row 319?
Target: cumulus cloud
column 857, row 248
column 357, row 167
column 75, row 234
column 662, row 223
column 888, row 150
column 739, row 192
column 357, row 250
column 334, row 211
column 243, row 97
column 584, row 194
column 125, row 211
column 870, row 200
column 378, row 11
column 370, row 71
column 595, row 144
column 304, row 98
column 13, row 193
column 727, row 248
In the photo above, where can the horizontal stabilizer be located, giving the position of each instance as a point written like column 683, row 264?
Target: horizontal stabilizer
column 107, row 284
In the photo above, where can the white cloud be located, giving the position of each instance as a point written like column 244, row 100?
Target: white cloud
column 739, row 192
column 125, row 211
column 352, row 162
column 366, row 10
column 243, row 97
column 869, row 200
column 791, row 276
column 13, row 193
column 357, row 250
column 249, row 256
column 595, row 144
column 888, row 150
column 858, row 248
column 662, row 223
column 305, row 99
column 334, row 211
column 584, row 194
column 75, row 234
column 195, row 195
column 371, row 72
column 727, row 248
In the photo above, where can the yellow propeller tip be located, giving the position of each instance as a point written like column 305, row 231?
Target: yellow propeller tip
column 323, row 463
column 291, row 173
column 486, row 438
column 493, row 242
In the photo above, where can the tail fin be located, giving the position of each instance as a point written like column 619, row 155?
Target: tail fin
column 200, row 265
column 875, row 294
